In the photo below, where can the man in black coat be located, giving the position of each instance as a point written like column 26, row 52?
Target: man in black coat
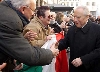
column 84, row 41
column 14, row 15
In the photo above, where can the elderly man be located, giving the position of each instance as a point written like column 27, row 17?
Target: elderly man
column 84, row 41
column 15, row 14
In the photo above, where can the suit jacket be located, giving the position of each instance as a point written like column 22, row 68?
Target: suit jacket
column 14, row 45
column 83, row 43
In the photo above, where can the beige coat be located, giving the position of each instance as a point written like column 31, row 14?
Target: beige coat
column 37, row 26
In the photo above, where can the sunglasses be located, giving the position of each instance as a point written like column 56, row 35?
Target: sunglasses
column 50, row 16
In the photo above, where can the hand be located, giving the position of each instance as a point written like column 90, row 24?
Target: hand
column 77, row 62
column 62, row 32
column 54, row 50
column 19, row 67
column 3, row 66
column 30, row 35
column 57, row 44
column 62, row 25
column 51, row 30
column 48, row 37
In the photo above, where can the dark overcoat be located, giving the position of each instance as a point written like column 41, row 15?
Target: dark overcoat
column 84, row 43
column 14, row 45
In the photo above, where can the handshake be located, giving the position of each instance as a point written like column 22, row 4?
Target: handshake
column 31, row 36
column 54, row 50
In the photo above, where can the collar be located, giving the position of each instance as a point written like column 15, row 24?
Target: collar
column 41, row 23
column 87, row 26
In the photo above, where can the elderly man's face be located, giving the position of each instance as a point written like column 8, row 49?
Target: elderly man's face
column 28, row 10
column 79, row 18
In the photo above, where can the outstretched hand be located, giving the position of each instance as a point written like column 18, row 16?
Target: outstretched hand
column 54, row 50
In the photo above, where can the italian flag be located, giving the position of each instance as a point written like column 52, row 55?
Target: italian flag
column 60, row 63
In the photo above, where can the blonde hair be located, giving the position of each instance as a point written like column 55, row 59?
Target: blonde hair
column 59, row 17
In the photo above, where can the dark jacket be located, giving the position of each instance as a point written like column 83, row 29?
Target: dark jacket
column 83, row 43
column 14, row 45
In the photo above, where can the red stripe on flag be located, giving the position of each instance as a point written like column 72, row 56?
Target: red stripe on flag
column 61, row 64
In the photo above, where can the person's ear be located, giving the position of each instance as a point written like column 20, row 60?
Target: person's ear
column 41, row 17
column 22, row 9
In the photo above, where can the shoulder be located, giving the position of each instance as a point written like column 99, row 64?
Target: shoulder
column 95, row 26
column 10, row 18
column 7, row 13
column 33, row 24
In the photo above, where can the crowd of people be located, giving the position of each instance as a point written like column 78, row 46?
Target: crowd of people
column 24, row 30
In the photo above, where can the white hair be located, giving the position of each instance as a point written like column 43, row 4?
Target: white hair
column 53, row 13
column 18, row 3
column 85, row 10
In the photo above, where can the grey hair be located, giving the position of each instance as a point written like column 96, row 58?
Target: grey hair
column 18, row 3
column 85, row 10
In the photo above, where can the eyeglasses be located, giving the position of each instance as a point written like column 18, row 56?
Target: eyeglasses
column 30, row 9
column 50, row 16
